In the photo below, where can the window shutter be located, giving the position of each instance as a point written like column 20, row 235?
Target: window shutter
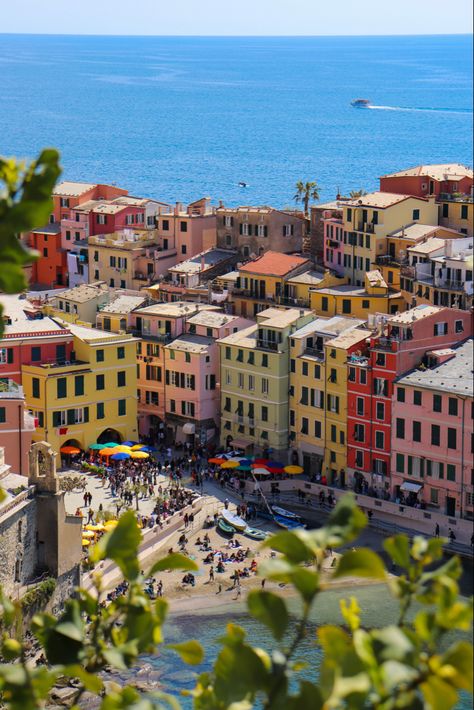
column 241, row 228
column 167, row 377
column 410, row 465
column 231, row 221
column 250, row 230
column 71, row 416
column 265, row 231
column 9, row 355
column 86, row 414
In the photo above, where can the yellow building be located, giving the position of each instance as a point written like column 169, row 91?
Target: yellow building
column 368, row 220
column 458, row 213
column 78, row 304
column 351, row 300
column 309, row 405
column 115, row 316
column 254, row 376
column 92, row 397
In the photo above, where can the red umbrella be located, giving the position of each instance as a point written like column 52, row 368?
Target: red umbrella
column 259, row 462
column 275, row 469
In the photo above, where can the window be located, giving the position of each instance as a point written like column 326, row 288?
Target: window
column 172, row 405
column 317, row 372
column 2, row 415
column 363, row 376
column 349, row 215
column 333, row 403
column 264, row 385
column 325, row 303
column 352, row 374
column 400, row 428
column 99, row 356
column 61, row 387
column 45, row 251
column 333, row 433
column 251, row 358
column 35, row 387
column 451, row 472
column 380, row 387
column 400, row 394
column 122, row 407
column 165, row 225
column 437, row 403
column 264, row 414
column 380, row 359
column 317, row 429
column 379, row 440
column 228, row 354
column 304, row 425
column 452, row 438
column 36, row 354
column 292, row 365
column 304, row 368
column 251, row 383
column 416, row 433
column 100, row 382
column 445, row 210
column 380, row 411
column 365, row 303
column 227, row 405
column 400, row 463
column 121, row 353
column 464, row 214
column 240, row 380
column 417, row 397
column 6, row 355
column 288, row 230
column 360, row 406
column 440, row 329
column 416, row 214
column 100, row 410
column 240, row 356
column 304, row 395
column 79, row 385
column 346, row 305
column 333, row 375
column 184, row 249
column 453, row 406
column 359, row 432
column 264, row 360
column 435, row 435
column 121, row 378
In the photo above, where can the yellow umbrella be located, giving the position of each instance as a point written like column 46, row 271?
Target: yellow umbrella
column 120, row 449
column 88, row 534
column 139, row 455
column 96, row 528
column 110, row 524
column 85, row 543
column 293, row 470
column 137, row 447
column 230, row 464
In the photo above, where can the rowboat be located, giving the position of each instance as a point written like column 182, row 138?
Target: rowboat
column 285, row 513
column 287, row 523
column 224, row 527
column 255, row 534
column 234, row 520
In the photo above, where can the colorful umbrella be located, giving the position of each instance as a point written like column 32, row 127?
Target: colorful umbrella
column 96, row 528
column 129, row 443
column 96, row 447
column 261, row 472
column 137, row 447
column 88, row 533
column 106, row 452
column 261, row 461
column 244, row 468
column 121, row 456
column 274, row 469
column 216, row 461
column 294, row 470
column 139, row 455
column 85, row 542
column 230, row 464
column 275, row 464
column 110, row 524
column 111, row 444
column 70, row 450
column 121, row 449
column 147, row 449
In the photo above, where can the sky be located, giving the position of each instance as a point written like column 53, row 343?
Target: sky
column 236, row 17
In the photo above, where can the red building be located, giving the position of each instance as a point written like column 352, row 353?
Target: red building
column 403, row 343
column 424, row 180
column 50, row 268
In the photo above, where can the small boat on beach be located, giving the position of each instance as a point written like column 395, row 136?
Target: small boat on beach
column 255, row 534
column 234, row 520
column 287, row 523
column 361, row 103
column 285, row 513
column 225, row 527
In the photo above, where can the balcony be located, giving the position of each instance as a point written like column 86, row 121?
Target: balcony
column 289, row 301
column 267, row 344
column 389, row 260
column 408, row 271
column 248, row 293
column 61, row 364
column 139, row 276
column 152, row 337
column 450, row 285
column 10, row 390
column 314, row 352
column 366, row 227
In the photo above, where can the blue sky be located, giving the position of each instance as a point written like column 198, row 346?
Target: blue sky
column 236, row 17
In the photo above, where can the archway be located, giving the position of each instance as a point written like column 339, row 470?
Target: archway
column 73, row 442
column 109, row 435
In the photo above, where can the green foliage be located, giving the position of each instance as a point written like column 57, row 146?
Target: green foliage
column 25, row 203
column 397, row 667
column 39, row 595
column 306, row 191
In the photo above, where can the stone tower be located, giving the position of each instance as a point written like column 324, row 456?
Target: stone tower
column 42, row 471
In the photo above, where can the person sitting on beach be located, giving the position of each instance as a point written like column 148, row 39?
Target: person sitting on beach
column 253, row 566
column 220, row 567
column 198, row 541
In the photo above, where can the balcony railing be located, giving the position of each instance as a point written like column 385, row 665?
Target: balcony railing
column 154, row 337
column 248, row 293
column 51, row 364
column 290, row 301
column 267, row 344
column 388, row 259
column 408, row 271
column 314, row 352
column 9, row 389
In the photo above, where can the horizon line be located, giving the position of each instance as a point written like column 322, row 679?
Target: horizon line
column 232, row 36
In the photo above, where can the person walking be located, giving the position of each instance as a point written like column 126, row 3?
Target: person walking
column 211, row 574
column 437, row 530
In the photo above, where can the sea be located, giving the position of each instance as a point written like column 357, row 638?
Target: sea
column 178, row 118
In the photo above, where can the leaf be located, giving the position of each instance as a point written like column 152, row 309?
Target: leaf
column 174, row 561
column 270, row 609
column 90, row 681
column 360, row 563
column 457, row 664
column 398, row 547
column 292, row 545
column 438, row 694
column 350, row 613
column 334, row 641
column 121, row 546
column 344, row 524
column 191, row 652
column 392, row 644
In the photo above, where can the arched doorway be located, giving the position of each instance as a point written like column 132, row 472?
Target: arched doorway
column 109, row 435
column 73, row 442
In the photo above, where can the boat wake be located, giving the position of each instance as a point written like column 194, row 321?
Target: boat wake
column 422, row 110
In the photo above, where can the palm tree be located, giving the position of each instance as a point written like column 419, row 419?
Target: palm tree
column 354, row 194
column 306, row 191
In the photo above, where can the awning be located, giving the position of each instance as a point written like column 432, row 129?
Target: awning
column 413, row 487
column 189, row 428
column 240, row 444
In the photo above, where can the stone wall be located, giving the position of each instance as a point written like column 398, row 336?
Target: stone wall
column 18, row 550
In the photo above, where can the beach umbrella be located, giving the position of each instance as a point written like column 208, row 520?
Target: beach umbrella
column 129, row 443
column 137, row 447
column 96, row 447
column 71, row 450
column 85, row 542
column 111, row 444
column 216, row 461
column 275, row 464
column 88, row 534
column 274, row 469
column 244, row 468
column 95, row 528
column 261, row 471
column 261, row 461
column 121, row 456
column 121, row 449
column 139, row 455
column 245, row 462
column 110, row 524
column 294, row 470
column 106, row 452
column 147, row 449
column 230, row 464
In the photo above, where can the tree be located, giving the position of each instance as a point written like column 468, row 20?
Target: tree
column 306, row 191
column 354, row 194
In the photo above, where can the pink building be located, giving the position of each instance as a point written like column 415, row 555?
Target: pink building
column 16, row 426
column 432, row 433
column 334, row 241
column 192, row 387
column 189, row 229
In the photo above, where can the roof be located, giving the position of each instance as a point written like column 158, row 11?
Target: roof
column 327, row 326
column 95, row 335
column 190, row 343
column 212, row 319
column 312, row 278
column 123, row 304
column 246, row 338
column 16, row 308
column 229, row 276
column 51, row 228
column 414, row 314
column 414, row 231
column 262, row 209
column 427, row 247
column 201, row 262
column 455, row 375
column 178, row 309
column 349, row 338
column 375, row 278
column 356, row 291
column 280, row 317
column 274, row 263
column 73, row 189
column 443, row 171
column 82, row 293
column 381, row 200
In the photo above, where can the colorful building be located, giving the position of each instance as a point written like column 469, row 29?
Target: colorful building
column 254, row 381
column 80, row 303
column 189, row 229
column 116, row 315
column 266, row 279
column 400, row 344
column 50, row 268
column 201, row 268
column 346, row 299
column 432, row 437
column 254, row 230
column 17, row 426
column 308, row 404
column 458, row 213
column 424, row 180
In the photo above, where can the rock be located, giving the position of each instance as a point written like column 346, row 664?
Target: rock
column 145, row 669
column 64, row 696
column 111, row 686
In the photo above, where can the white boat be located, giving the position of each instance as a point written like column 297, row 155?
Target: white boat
column 285, row 513
column 361, row 103
column 234, row 520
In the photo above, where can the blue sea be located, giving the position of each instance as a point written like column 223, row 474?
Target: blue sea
column 177, row 118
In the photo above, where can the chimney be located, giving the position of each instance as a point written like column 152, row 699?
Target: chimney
column 221, row 204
